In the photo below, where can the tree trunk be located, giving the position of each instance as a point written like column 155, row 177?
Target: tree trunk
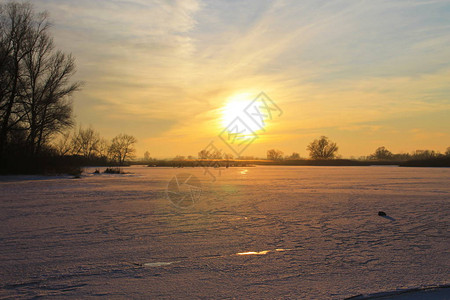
column 7, row 115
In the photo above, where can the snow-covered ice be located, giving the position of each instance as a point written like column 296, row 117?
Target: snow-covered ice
column 259, row 232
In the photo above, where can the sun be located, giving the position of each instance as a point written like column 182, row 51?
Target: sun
column 235, row 107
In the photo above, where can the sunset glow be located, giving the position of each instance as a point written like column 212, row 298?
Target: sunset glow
column 175, row 74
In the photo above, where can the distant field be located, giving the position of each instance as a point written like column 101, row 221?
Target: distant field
column 437, row 162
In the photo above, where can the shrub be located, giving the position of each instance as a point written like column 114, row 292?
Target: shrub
column 113, row 171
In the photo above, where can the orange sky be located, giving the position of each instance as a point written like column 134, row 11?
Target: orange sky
column 363, row 73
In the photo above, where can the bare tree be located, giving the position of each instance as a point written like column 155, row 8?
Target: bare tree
column 204, row 154
column 147, row 156
column 294, row 156
column 381, row 153
column 34, row 78
column 213, row 154
column 424, row 154
column 103, row 148
column 16, row 21
column 322, row 148
column 122, row 147
column 46, row 86
column 63, row 145
column 274, row 154
column 46, row 104
column 86, row 142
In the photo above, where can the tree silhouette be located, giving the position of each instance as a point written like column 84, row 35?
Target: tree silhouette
column 147, row 156
column 35, row 85
column 86, row 142
column 294, row 156
column 322, row 148
column 381, row 153
column 424, row 154
column 64, row 145
column 204, row 154
column 122, row 147
column 274, row 154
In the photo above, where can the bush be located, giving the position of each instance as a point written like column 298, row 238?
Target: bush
column 113, row 171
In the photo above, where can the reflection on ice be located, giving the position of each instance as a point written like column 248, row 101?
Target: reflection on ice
column 159, row 263
column 261, row 252
column 243, row 172
column 281, row 250
column 253, row 252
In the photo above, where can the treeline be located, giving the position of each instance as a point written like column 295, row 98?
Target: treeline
column 380, row 154
column 323, row 149
column 383, row 154
column 94, row 149
column 319, row 149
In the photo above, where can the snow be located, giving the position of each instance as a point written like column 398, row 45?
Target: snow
column 257, row 232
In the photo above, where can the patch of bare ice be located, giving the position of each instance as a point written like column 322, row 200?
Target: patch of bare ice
column 160, row 263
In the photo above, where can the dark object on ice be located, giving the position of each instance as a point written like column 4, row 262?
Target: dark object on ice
column 97, row 171
column 384, row 215
column 114, row 171
column 432, row 292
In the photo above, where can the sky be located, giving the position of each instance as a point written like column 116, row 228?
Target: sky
column 363, row 73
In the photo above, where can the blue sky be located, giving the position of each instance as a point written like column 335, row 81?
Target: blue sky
column 364, row 73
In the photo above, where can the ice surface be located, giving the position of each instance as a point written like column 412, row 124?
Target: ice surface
column 119, row 236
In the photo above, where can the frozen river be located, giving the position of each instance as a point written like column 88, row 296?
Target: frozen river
column 257, row 232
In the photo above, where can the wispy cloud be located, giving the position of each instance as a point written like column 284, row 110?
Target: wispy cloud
column 165, row 67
